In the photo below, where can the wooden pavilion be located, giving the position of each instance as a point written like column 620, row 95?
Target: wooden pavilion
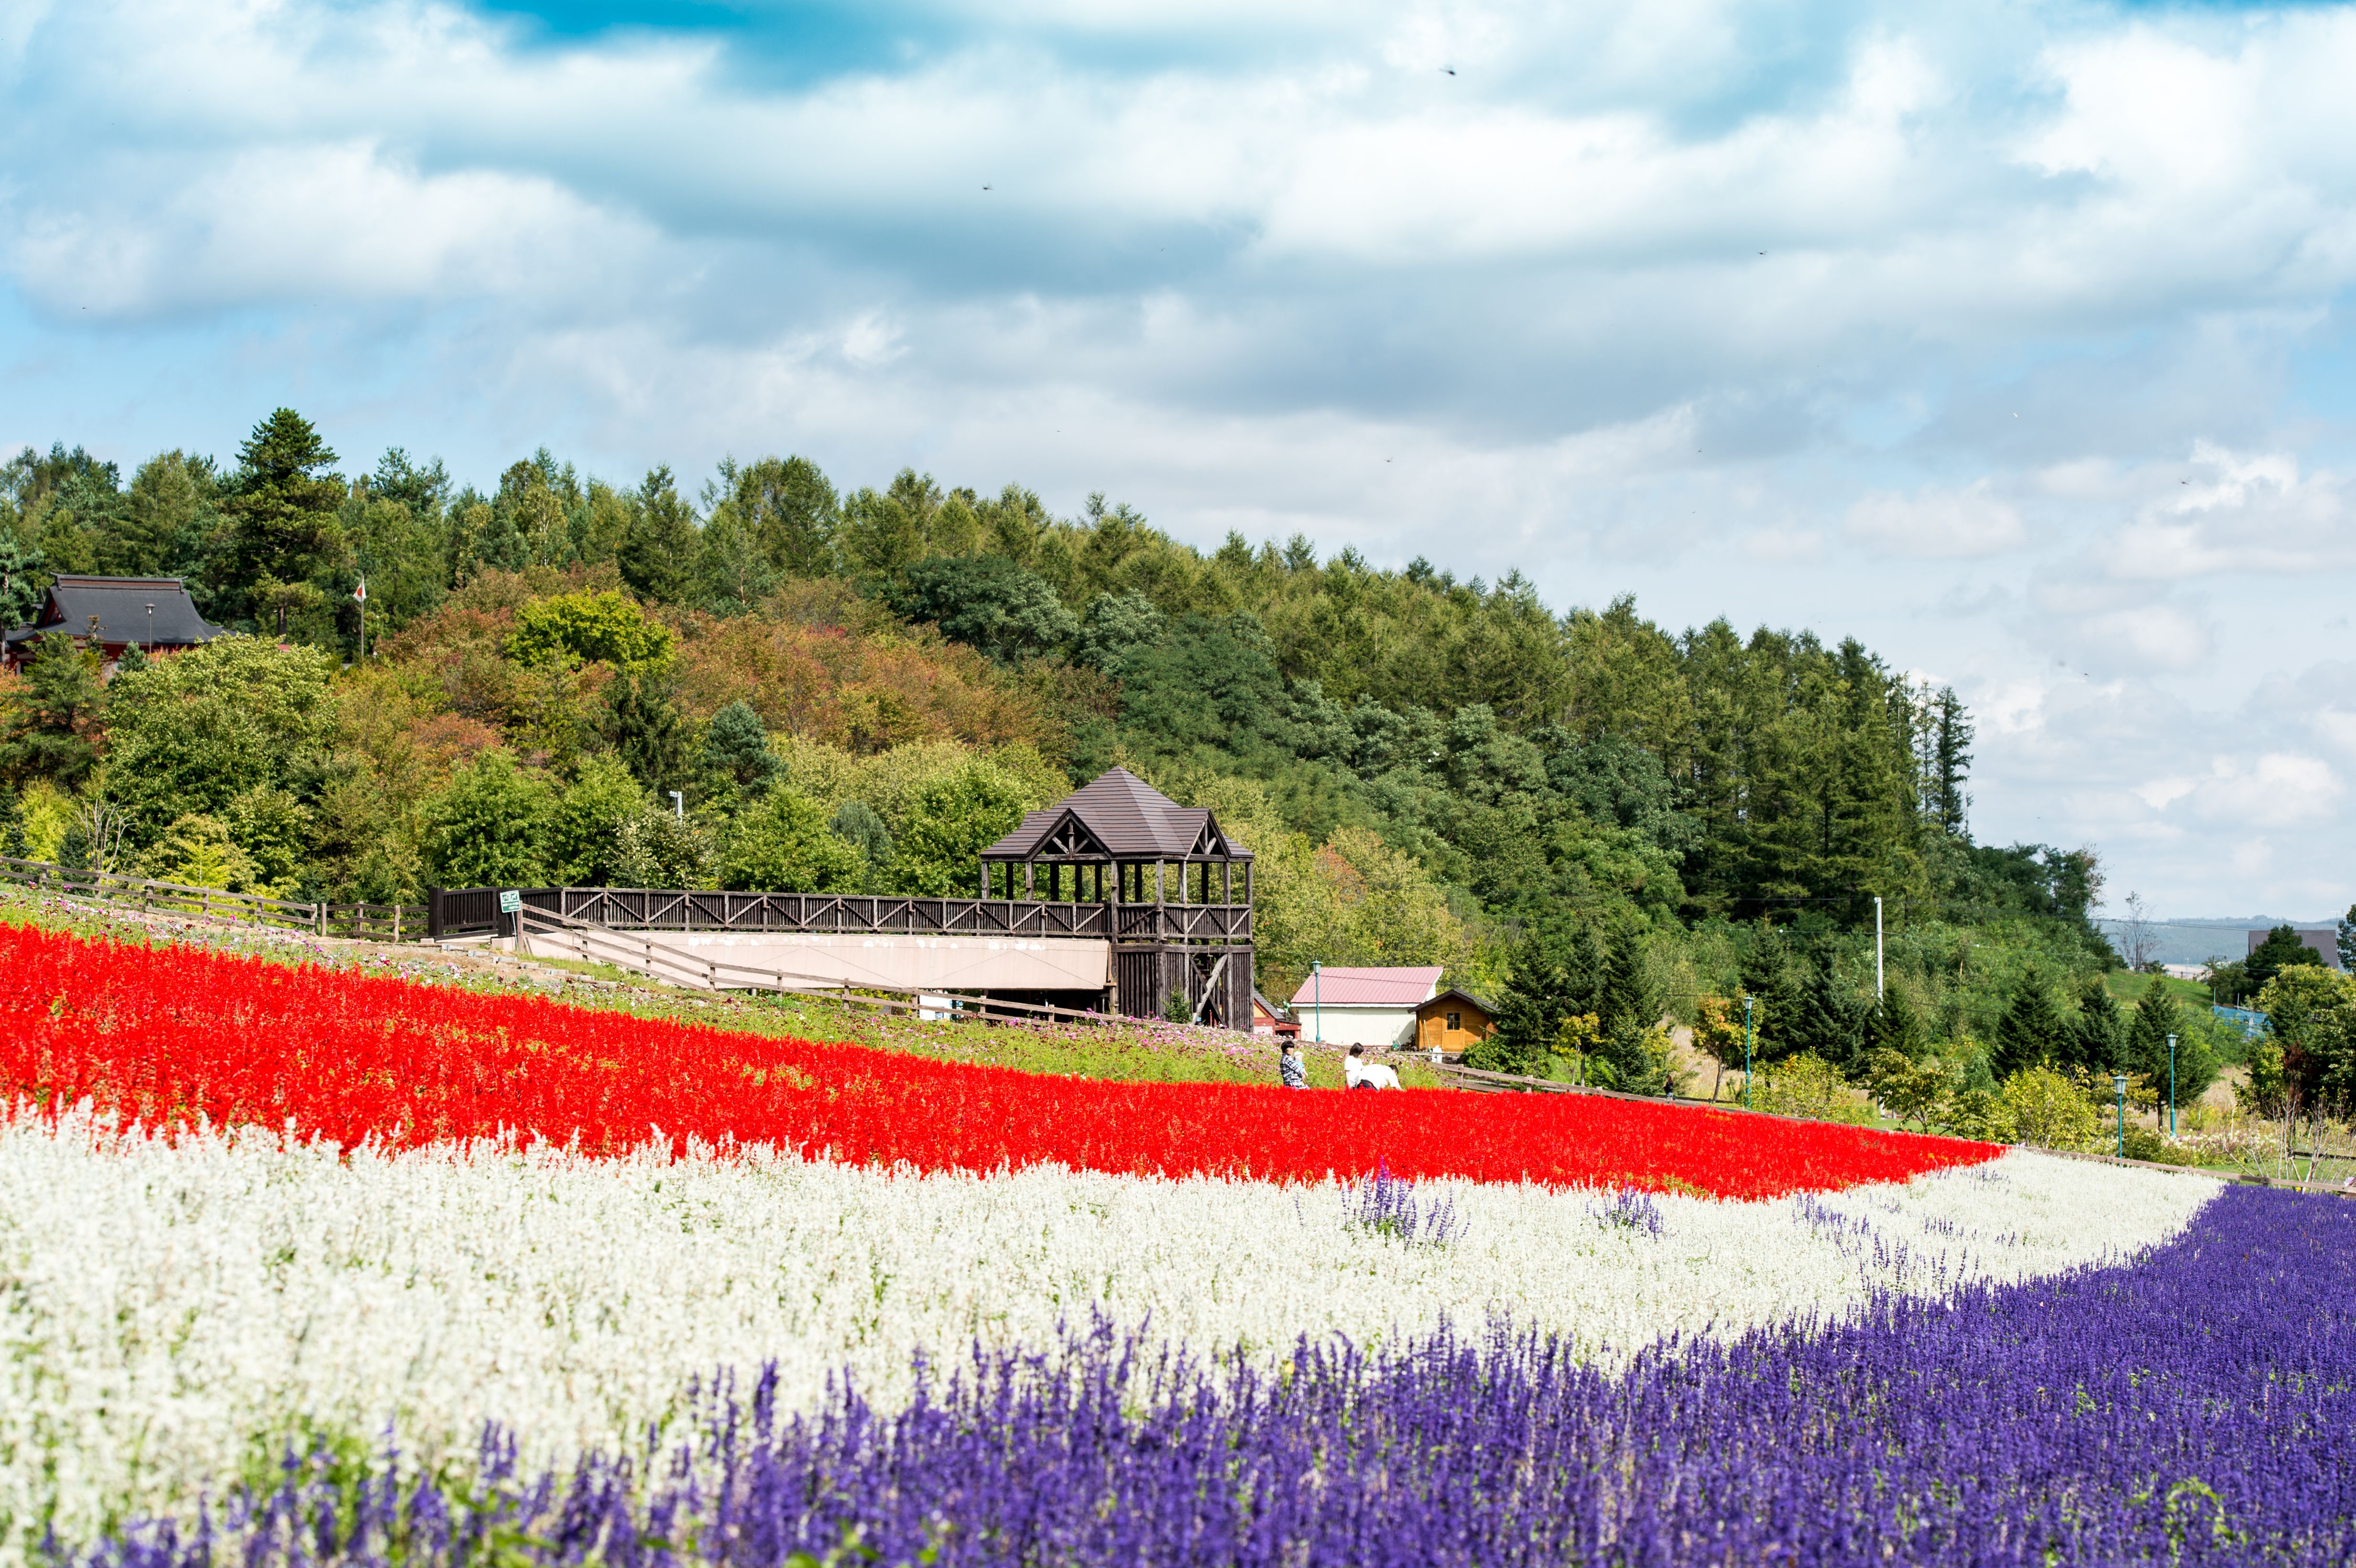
column 1179, row 927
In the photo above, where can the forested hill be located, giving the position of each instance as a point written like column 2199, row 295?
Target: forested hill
column 859, row 688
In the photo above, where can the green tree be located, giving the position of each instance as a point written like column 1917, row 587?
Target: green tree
column 192, row 732
column 196, row 851
column 490, row 828
column 1539, row 994
column 2098, row 1034
column 657, row 552
column 1776, row 979
column 663, row 849
column 735, row 753
column 1834, row 1021
column 1894, row 1025
column 2312, row 1014
column 987, row 603
column 2045, row 1109
column 792, row 511
column 856, row 824
column 59, row 712
column 954, row 819
column 281, row 508
column 2156, row 1018
column 649, row 731
column 274, row 831
column 782, row 844
column 2032, row 1032
column 2282, row 948
column 732, row 573
column 23, row 579
column 584, row 828
column 590, row 628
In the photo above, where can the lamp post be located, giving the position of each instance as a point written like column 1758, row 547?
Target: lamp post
column 2171, row 1088
column 1746, row 1051
column 1877, row 948
column 1317, row 997
column 2119, row 1082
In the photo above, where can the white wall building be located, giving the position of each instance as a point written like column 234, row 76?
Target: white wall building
column 1363, row 1007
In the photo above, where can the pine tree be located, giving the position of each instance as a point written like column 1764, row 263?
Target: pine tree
column 735, row 752
column 2031, row 1032
column 1893, row 1025
column 648, row 732
column 1776, row 980
column 1626, row 1011
column 1951, row 755
column 283, row 511
column 2347, row 943
column 2156, row 1017
column 2098, row 1034
column 658, row 550
column 1833, row 1022
column 1531, row 1010
column 59, row 703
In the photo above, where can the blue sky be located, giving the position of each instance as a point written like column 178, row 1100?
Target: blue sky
column 2012, row 338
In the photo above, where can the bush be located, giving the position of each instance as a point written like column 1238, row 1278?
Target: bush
column 785, row 845
column 657, row 849
column 2048, row 1109
column 1807, row 1085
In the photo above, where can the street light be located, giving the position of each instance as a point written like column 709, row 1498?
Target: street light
column 1317, row 997
column 1746, row 1052
column 2171, row 1088
column 2119, row 1082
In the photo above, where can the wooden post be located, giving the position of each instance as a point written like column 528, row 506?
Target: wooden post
column 1157, row 884
column 1226, row 881
column 1028, row 892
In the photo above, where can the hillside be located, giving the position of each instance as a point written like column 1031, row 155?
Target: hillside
column 1604, row 816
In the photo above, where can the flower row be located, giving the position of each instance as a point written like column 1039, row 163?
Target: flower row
column 165, row 1034
column 178, row 1305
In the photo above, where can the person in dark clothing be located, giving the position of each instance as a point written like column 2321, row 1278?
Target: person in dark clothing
column 1291, row 1067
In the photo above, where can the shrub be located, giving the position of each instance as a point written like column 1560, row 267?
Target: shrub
column 1807, row 1085
column 784, row 844
column 2047, row 1109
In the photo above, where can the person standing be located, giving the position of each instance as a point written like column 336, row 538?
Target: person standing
column 1291, row 1067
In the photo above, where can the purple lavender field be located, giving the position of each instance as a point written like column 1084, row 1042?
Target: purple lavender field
column 2196, row 1407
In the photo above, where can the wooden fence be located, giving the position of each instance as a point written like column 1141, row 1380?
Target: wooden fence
column 471, row 911
column 586, row 941
column 376, row 922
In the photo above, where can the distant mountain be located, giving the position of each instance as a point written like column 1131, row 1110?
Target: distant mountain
column 2198, row 940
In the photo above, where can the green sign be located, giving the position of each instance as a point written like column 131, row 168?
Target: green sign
column 510, row 901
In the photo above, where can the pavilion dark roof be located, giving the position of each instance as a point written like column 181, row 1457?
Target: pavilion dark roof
column 1130, row 818
column 121, row 605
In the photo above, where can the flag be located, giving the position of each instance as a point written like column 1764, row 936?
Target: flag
column 361, row 592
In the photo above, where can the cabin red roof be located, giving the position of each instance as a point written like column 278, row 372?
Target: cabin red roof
column 1340, row 987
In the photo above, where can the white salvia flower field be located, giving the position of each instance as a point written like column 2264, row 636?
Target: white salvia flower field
column 175, row 1310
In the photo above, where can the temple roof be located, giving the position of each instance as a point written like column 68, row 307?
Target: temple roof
column 120, row 605
column 1117, row 816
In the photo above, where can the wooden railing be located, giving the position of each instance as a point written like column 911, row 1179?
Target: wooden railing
column 626, row 950
column 459, row 911
column 379, row 922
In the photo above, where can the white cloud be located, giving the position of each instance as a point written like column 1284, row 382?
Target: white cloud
column 1969, row 332
column 1937, row 523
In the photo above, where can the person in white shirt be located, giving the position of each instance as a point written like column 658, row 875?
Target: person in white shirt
column 1359, row 1073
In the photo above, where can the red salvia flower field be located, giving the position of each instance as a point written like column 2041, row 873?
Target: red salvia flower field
column 165, row 1035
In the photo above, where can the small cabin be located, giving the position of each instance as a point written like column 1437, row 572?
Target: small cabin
column 1269, row 1020
column 1376, row 1006
column 1450, row 1021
